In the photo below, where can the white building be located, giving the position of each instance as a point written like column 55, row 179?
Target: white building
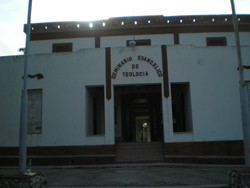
column 175, row 94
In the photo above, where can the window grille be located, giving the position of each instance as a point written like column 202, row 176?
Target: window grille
column 34, row 111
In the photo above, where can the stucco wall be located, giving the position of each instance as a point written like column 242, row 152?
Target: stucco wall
column 45, row 46
column 65, row 77
column 118, row 41
column 211, row 72
column 199, row 39
column 213, row 76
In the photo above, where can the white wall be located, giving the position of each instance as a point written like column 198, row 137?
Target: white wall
column 45, row 46
column 214, row 89
column 63, row 105
column 199, row 39
column 211, row 71
column 119, row 41
column 11, row 72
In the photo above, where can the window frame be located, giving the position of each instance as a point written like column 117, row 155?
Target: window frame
column 140, row 42
column 55, row 45
column 211, row 39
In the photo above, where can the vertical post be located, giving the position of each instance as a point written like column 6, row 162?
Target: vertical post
column 237, row 40
column 243, row 92
column 24, row 101
column 109, row 101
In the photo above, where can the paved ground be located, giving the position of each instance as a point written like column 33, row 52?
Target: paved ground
column 137, row 175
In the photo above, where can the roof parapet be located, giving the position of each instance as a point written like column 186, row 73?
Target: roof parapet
column 138, row 21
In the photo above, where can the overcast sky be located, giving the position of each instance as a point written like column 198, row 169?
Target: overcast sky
column 13, row 13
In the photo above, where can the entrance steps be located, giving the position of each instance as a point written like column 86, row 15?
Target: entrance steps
column 139, row 152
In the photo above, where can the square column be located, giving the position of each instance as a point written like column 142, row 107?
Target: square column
column 109, row 102
column 109, row 121
column 167, row 118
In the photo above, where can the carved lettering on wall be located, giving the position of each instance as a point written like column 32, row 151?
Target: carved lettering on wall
column 136, row 66
column 119, row 65
column 152, row 63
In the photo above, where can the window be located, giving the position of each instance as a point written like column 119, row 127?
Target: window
column 216, row 41
column 146, row 42
column 34, row 111
column 95, row 119
column 181, row 107
column 62, row 47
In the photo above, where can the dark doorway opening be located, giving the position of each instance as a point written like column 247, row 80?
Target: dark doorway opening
column 141, row 113
column 181, row 107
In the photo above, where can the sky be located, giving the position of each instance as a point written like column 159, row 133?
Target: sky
column 13, row 13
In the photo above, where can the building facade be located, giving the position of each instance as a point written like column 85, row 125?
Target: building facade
column 92, row 91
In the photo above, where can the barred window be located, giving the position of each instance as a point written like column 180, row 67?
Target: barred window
column 62, row 47
column 216, row 41
column 34, row 111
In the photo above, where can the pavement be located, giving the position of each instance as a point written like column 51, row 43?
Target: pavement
column 158, row 175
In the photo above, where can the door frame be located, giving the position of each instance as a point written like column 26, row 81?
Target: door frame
column 128, row 116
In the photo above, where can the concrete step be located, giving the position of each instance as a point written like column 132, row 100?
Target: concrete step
column 139, row 152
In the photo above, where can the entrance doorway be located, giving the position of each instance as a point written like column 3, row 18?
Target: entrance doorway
column 141, row 113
